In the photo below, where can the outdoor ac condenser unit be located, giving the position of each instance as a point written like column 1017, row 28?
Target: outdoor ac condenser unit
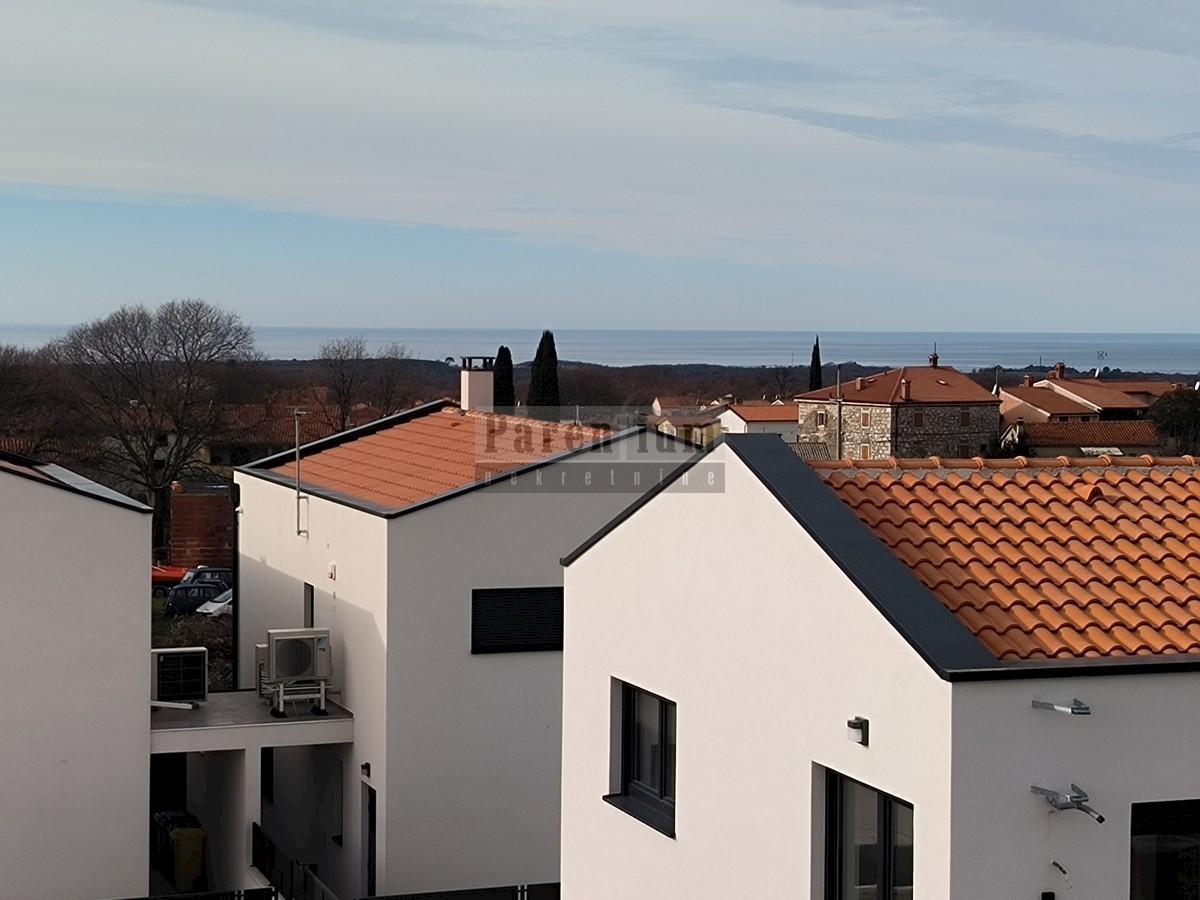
column 298, row 654
column 179, row 674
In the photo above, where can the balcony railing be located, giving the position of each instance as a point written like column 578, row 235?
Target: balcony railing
column 294, row 880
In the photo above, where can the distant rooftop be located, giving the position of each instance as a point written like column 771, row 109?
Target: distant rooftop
column 56, row 476
column 925, row 384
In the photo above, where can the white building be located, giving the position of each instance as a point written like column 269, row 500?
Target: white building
column 429, row 542
column 74, row 686
column 865, row 707
column 782, row 419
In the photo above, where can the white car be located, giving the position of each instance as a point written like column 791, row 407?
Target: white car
column 220, row 605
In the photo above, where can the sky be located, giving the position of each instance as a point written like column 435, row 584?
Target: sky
column 956, row 165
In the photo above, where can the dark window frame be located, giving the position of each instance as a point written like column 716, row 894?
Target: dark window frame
column 543, row 630
column 835, row 783
column 650, row 804
column 918, row 419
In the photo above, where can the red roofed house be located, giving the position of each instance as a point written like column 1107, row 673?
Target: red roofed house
column 910, row 412
column 973, row 679
column 760, row 418
column 429, row 543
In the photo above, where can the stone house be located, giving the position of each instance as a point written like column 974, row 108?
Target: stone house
column 914, row 411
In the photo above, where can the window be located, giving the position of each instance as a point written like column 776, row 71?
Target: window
column 309, row 606
column 1085, row 418
column 513, row 620
column 266, row 762
column 868, row 842
column 964, row 418
column 820, row 420
column 918, row 419
column 865, row 419
column 1165, row 849
column 864, row 451
column 964, row 451
column 646, row 749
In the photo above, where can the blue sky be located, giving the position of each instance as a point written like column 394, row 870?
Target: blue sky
column 955, row 165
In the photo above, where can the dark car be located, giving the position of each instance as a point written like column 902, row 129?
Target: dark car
column 209, row 575
column 187, row 598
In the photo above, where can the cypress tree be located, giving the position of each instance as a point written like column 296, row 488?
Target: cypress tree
column 504, row 395
column 814, row 367
column 543, row 379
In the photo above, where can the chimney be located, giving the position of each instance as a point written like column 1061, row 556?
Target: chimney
column 933, row 358
column 858, row 383
column 905, row 389
column 1059, row 371
column 476, row 383
column 1028, row 382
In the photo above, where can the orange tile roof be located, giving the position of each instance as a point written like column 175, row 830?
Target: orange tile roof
column 1134, row 433
column 786, row 412
column 1095, row 394
column 1045, row 558
column 1048, row 401
column 1154, row 387
column 429, row 454
column 926, row 385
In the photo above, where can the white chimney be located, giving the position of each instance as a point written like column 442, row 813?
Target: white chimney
column 476, row 383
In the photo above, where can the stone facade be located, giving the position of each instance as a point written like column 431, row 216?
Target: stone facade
column 909, row 430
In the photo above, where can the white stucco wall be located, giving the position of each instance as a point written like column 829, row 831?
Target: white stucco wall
column 75, row 691
column 732, row 423
column 275, row 564
column 766, row 660
column 1138, row 745
column 464, row 749
column 474, row 772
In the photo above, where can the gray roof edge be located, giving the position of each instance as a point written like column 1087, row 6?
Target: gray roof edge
column 911, row 608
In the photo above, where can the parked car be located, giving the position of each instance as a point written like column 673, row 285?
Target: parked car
column 220, row 605
column 209, row 575
column 163, row 578
column 187, row 598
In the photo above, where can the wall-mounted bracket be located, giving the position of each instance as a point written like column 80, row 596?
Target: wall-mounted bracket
column 1077, row 707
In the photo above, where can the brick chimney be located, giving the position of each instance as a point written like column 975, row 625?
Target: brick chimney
column 476, row 383
column 1028, row 380
column 858, row 383
column 1059, row 371
column 905, row 389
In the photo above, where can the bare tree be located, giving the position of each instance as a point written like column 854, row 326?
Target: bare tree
column 395, row 387
column 347, row 372
column 33, row 413
column 149, row 380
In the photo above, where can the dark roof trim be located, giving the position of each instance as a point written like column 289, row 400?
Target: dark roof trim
column 920, row 618
column 57, row 477
column 1081, row 667
column 391, row 512
column 637, row 504
column 350, row 434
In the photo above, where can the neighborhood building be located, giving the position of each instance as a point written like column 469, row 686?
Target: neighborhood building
column 971, row 680
column 1107, row 399
column 75, row 746
column 913, row 411
column 1133, row 437
column 429, row 544
column 760, row 418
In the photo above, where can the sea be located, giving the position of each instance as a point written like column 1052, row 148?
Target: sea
column 1168, row 353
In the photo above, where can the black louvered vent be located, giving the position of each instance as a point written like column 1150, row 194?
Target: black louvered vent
column 182, row 677
column 511, row 620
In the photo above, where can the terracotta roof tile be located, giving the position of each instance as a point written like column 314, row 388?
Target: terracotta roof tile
column 926, row 384
column 1134, row 433
column 786, row 412
column 1043, row 559
column 1047, row 400
column 420, row 458
column 1095, row 394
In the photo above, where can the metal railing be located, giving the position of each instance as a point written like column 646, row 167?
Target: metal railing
column 263, row 893
column 549, row 891
column 294, row 880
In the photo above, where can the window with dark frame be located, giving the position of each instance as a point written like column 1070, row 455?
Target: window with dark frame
column 1165, row 849
column 516, row 620
column 647, row 759
column 868, row 842
column 918, row 419
column 964, row 418
column 820, row 420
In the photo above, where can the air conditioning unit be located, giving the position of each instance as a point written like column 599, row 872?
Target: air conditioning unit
column 298, row 654
column 179, row 675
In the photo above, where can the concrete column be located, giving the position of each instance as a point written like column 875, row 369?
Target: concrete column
column 250, row 777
